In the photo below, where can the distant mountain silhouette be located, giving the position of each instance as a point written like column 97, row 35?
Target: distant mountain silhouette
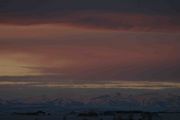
column 145, row 102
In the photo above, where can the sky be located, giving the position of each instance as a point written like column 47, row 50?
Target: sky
column 90, row 40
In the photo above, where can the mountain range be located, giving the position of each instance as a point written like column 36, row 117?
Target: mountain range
column 146, row 102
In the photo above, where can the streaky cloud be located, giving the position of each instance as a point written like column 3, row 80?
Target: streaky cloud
column 102, row 20
column 131, row 15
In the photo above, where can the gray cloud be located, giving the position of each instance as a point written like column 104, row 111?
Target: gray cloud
column 119, row 15
column 133, row 6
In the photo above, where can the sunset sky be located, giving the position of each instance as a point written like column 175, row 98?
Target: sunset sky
column 112, row 40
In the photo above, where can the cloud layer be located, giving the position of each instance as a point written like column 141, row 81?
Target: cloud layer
column 91, row 40
column 131, row 15
column 144, row 85
column 81, row 54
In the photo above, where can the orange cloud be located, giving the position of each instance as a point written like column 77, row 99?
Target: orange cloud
column 88, row 54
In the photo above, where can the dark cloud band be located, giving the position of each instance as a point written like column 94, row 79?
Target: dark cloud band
column 132, row 6
column 134, row 15
column 101, row 20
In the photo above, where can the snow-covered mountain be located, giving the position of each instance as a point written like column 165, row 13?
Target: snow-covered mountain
column 146, row 102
